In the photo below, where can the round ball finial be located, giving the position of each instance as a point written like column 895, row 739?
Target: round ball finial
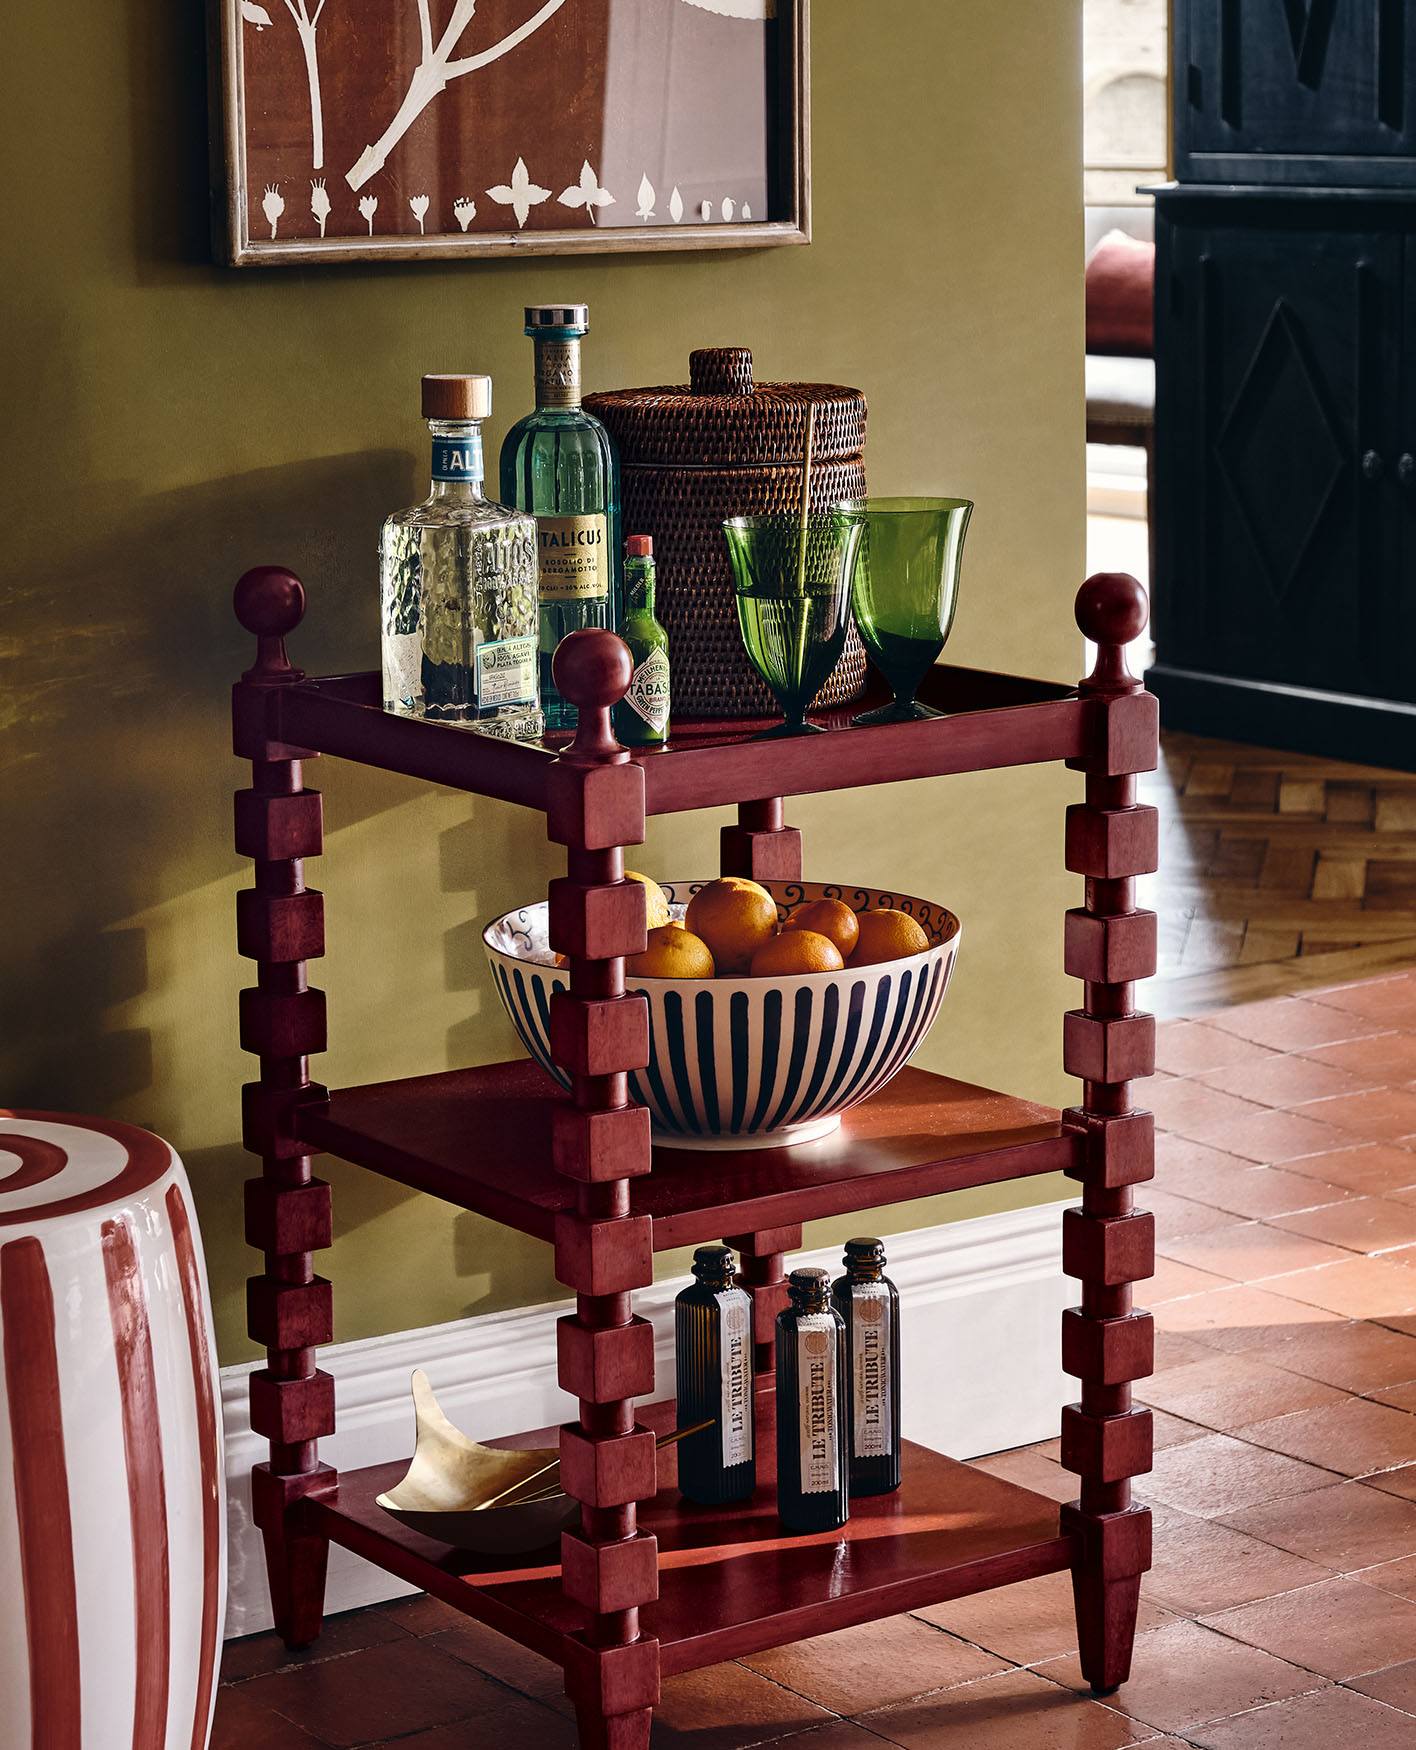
column 592, row 669
column 1112, row 608
column 269, row 601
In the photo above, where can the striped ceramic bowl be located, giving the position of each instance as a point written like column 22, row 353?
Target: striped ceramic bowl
column 750, row 1062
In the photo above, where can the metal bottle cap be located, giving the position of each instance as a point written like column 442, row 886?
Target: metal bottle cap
column 809, row 1284
column 865, row 1251
column 557, row 316
column 457, row 397
column 713, row 1261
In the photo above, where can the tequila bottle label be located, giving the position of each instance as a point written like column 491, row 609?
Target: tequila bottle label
column 817, row 1388
column 458, row 458
column 574, row 558
column 735, row 1347
column 871, row 1385
column 506, row 672
column 648, row 693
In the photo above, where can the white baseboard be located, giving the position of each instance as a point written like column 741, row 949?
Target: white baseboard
column 972, row 1292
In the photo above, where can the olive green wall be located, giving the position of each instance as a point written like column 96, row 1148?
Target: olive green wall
column 171, row 423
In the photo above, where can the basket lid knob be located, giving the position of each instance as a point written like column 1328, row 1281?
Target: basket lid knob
column 720, row 370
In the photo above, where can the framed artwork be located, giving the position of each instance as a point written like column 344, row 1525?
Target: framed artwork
column 359, row 130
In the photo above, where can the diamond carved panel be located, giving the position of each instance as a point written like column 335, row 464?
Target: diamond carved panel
column 1279, row 451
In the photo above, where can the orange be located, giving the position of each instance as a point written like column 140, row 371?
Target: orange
column 887, row 935
column 734, row 917
column 673, row 952
column 831, row 918
column 796, row 951
column 656, row 905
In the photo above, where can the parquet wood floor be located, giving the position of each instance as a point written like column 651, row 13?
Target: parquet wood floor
column 1279, row 871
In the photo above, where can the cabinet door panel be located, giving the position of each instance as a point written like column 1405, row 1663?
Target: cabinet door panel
column 1293, row 90
column 1277, row 364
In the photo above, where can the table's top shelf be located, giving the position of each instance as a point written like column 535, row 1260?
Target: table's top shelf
column 731, row 1580
column 992, row 720
column 481, row 1139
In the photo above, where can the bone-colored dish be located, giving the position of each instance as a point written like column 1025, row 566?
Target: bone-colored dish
column 452, row 1485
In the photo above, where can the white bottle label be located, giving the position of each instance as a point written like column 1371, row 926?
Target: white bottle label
column 871, row 1385
column 505, row 670
column 735, row 1340
column 649, row 690
column 817, row 1388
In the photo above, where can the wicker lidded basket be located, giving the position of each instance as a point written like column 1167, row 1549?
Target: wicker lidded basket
column 721, row 447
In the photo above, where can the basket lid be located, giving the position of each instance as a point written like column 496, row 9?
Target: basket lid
column 721, row 418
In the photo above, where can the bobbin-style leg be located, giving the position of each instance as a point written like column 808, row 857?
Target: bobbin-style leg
column 764, row 1275
column 1106, row 1243
column 601, row 1142
column 280, row 925
column 761, row 846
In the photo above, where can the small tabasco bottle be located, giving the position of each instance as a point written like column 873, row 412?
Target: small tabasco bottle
column 713, row 1352
column 642, row 716
column 869, row 1303
column 811, row 1407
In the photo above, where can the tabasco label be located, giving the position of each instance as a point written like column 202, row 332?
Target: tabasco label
column 817, row 1386
column 648, row 693
column 735, row 1339
column 573, row 556
column 871, row 1385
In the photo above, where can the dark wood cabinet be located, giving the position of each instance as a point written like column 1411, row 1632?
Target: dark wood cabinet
column 1296, row 91
column 1285, row 491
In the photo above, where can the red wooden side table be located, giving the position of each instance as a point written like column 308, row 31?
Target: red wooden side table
column 648, row 1586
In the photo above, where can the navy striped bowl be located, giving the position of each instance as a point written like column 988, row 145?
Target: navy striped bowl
column 750, row 1062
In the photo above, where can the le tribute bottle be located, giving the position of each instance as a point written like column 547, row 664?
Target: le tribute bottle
column 812, row 1490
column 713, row 1349
column 457, row 585
column 559, row 464
column 869, row 1305
column 642, row 716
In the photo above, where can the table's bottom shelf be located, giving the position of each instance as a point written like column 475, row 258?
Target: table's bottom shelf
column 731, row 1581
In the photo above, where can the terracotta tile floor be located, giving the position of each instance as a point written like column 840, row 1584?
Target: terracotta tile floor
column 1281, row 1610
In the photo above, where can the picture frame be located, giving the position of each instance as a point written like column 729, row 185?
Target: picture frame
column 482, row 110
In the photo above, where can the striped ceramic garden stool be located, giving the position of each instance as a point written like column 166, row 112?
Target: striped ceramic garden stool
column 112, row 1533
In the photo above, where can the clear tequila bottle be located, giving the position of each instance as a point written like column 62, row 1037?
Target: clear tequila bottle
column 457, row 584
column 559, row 463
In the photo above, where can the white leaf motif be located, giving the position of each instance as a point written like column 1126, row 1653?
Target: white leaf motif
column 419, row 204
column 727, row 209
column 746, row 210
column 705, row 211
column 464, row 211
column 254, row 14
column 587, row 192
column 319, row 203
column 368, row 206
column 272, row 205
column 738, row 8
column 521, row 194
column 646, row 198
column 676, row 206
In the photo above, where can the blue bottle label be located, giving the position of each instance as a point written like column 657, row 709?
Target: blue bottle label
column 458, row 458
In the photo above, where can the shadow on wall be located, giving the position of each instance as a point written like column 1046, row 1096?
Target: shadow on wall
column 115, row 763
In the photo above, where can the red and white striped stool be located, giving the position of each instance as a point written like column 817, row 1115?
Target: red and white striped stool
column 112, row 1531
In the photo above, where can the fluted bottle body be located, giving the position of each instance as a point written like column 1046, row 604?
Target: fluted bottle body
column 869, row 1305
column 812, row 1488
column 713, row 1357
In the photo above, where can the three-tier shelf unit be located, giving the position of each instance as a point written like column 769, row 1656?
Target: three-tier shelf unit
column 648, row 1585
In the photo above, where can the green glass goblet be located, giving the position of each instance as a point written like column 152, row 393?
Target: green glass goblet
column 905, row 590
column 793, row 582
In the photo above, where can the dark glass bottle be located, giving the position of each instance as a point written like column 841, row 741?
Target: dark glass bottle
column 642, row 715
column 811, row 1407
column 713, row 1354
column 869, row 1303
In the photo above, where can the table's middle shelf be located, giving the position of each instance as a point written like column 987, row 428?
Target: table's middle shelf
column 481, row 1139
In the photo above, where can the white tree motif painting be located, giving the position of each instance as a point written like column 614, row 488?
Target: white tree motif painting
column 587, row 192
column 435, row 71
column 520, row 194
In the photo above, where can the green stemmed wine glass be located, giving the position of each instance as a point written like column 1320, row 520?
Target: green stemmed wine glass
column 905, row 590
column 793, row 581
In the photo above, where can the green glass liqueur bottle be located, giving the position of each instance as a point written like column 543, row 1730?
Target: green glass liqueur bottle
column 713, row 1356
column 812, row 1492
column 869, row 1305
column 642, row 716
column 559, row 464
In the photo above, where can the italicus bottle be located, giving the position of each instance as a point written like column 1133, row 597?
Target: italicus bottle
column 869, row 1304
column 642, row 716
column 713, row 1352
column 559, row 464
column 457, row 586
column 812, row 1492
